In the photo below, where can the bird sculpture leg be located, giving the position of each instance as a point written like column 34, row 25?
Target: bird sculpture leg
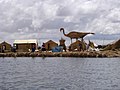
column 76, row 39
column 71, row 40
column 82, row 39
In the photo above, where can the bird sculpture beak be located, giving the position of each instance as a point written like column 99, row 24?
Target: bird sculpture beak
column 92, row 33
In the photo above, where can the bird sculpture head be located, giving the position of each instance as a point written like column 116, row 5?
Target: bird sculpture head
column 61, row 29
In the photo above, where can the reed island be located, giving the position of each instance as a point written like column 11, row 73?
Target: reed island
column 79, row 48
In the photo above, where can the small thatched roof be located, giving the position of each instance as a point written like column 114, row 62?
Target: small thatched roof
column 116, row 45
column 50, row 42
column 5, row 43
column 77, row 45
column 113, row 46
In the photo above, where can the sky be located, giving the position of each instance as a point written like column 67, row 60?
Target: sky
column 42, row 19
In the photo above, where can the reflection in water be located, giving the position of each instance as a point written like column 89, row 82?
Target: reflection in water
column 59, row 74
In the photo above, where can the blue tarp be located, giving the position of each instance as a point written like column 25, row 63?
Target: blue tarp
column 57, row 49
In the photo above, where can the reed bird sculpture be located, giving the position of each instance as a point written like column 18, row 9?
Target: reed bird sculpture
column 75, row 35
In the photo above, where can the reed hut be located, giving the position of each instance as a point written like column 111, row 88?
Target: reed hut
column 5, row 47
column 25, row 45
column 50, row 44
column 77, row 46
column 116, row 45
column 113, row 46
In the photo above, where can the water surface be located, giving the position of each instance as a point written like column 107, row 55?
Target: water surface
column 59, row 73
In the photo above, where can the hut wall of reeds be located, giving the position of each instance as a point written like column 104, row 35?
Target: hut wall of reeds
column 50, row 44
column 5, row 46
column 25, row 45
column 77, row 46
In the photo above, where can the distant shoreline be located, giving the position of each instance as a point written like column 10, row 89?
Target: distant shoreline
column 82, row 54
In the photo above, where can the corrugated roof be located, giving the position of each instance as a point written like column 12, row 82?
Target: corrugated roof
column 25, row 41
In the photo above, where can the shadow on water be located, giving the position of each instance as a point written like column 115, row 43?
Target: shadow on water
column 40, row 57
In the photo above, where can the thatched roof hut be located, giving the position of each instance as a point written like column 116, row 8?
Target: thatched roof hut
column 50, row 44
column 113, row 46
column 78, row 45
column 6, row 46
column 116, row 45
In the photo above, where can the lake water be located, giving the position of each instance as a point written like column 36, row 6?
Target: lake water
column 59, row 73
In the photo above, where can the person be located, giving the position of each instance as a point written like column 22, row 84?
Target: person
column 14, row 48
column 87, row 46
column 3, row 48
column 43, row 47
column 80, row 46
column 33, row 48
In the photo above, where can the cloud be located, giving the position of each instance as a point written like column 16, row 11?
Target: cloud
column 21, row 19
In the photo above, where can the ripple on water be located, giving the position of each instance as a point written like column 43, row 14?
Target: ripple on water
column 59, row 74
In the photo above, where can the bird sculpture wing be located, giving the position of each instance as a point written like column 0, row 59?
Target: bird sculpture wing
column 81, row 34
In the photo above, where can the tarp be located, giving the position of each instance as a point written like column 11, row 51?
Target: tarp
column 57, row 49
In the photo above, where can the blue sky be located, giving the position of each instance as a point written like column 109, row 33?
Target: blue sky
column 42, row 19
